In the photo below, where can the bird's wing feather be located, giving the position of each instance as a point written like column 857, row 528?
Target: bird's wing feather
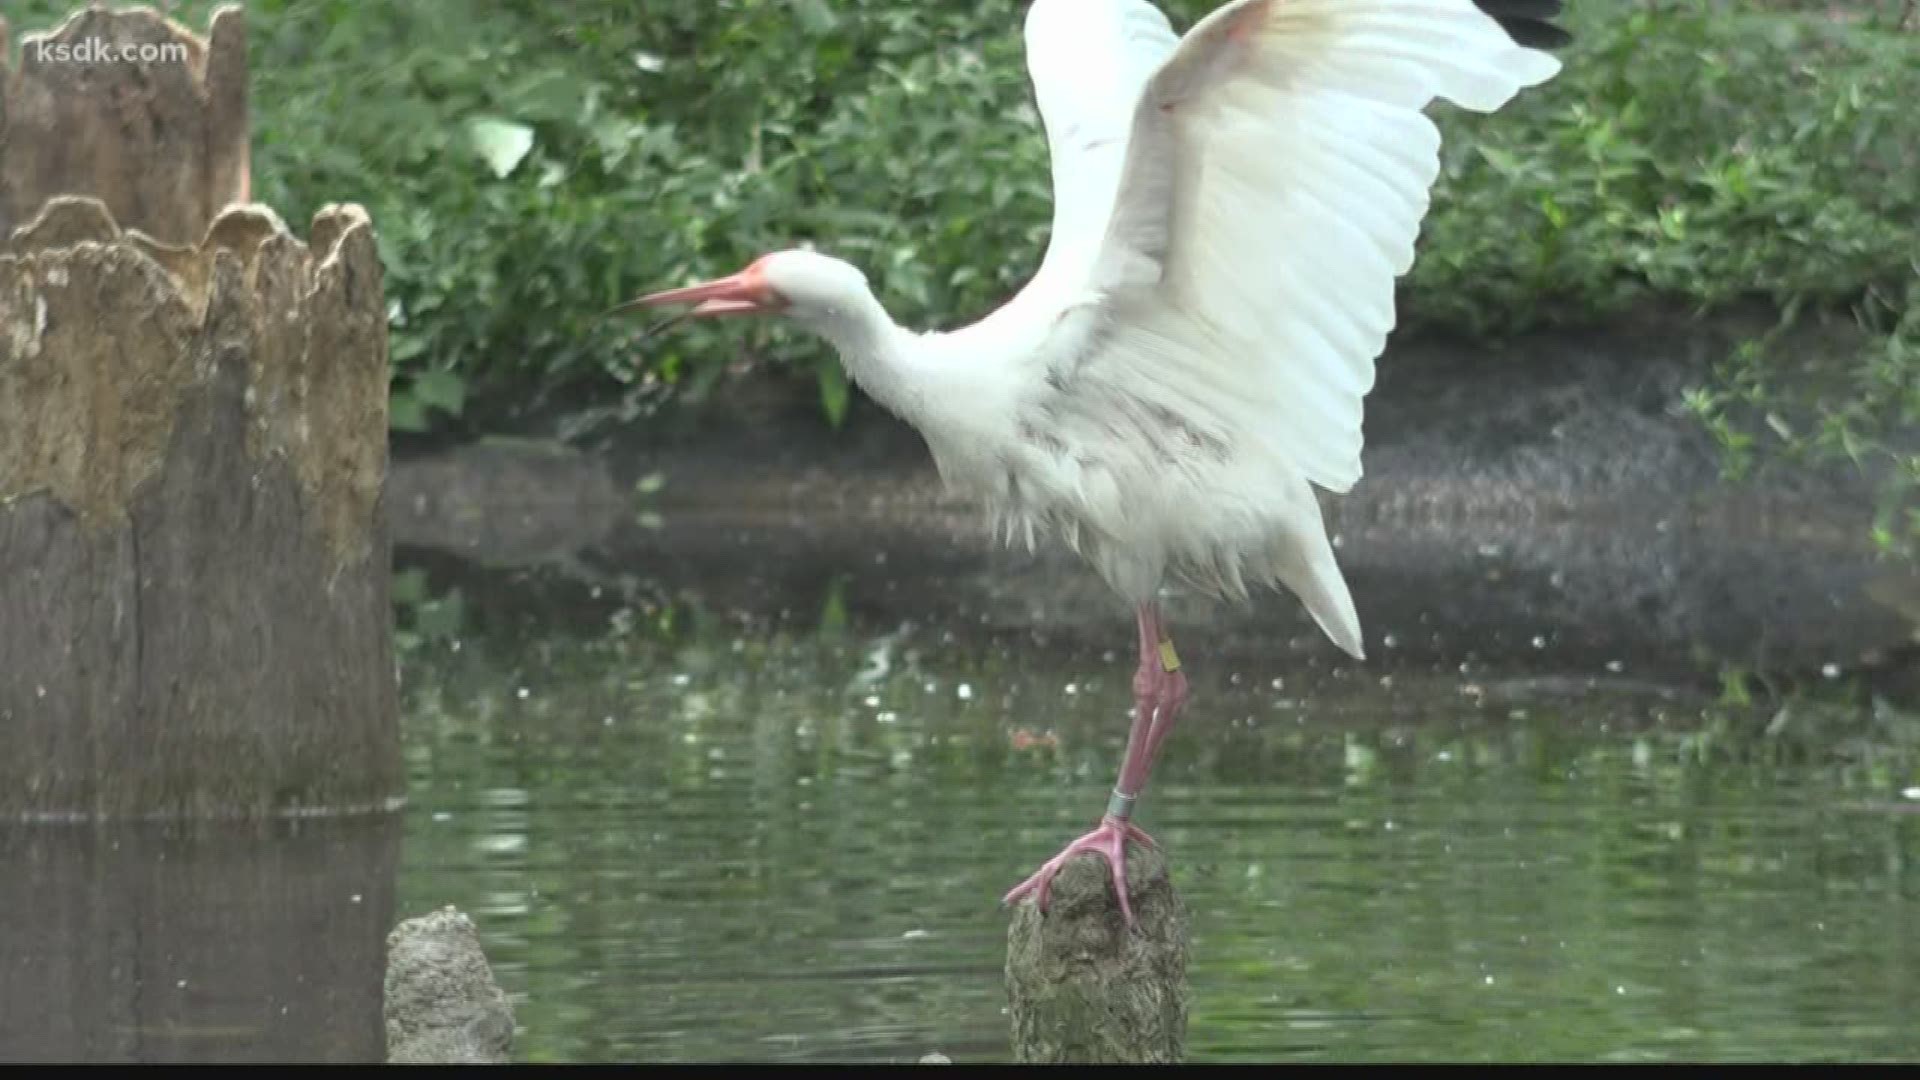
column 1089, row 60
column 1277, row 171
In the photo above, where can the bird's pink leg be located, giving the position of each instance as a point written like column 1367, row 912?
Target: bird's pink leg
column 1159, row 692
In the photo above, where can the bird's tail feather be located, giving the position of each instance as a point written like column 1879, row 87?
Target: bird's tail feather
column 1331, row 605
column 1306, row 566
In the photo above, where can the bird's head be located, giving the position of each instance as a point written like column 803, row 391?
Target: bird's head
column 807, row 285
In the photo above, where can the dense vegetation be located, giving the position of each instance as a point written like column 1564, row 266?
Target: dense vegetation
column 530, row 164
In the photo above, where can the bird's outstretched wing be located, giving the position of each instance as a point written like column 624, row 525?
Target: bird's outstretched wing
column 1089, row 60
column 1278, row 166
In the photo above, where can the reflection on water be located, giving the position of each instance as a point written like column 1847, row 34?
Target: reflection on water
column 167, row 942
column 752, row 846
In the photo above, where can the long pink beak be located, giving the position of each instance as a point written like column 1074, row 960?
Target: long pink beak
column 744, row 293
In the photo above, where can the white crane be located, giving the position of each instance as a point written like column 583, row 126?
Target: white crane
column 1231, row 209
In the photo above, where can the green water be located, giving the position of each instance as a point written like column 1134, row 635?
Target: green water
column 762, row 846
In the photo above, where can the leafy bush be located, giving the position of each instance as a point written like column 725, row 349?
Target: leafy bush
column 1685, row 153
column 530, row 164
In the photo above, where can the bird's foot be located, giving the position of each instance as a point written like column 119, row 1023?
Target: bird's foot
column 1109, row 841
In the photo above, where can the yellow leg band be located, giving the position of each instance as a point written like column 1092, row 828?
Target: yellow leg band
column 1169, row 660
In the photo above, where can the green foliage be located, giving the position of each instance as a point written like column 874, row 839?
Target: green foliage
column 529, row 165
column 1688, row 152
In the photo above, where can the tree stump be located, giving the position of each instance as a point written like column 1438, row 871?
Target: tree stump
column 162, row 141
column 194, row 615
column 1084, row 988
column 442, row 1005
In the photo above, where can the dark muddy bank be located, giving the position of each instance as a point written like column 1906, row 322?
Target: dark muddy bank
column 1545, row 502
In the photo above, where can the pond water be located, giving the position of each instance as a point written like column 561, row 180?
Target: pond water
column 761, row 805
column 698, row 838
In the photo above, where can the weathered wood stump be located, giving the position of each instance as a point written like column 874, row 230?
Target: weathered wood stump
column 1084, row 988
column 194, row 611
column 442, row 1005
column 163, row 142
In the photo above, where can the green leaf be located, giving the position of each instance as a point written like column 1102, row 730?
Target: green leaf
column 406, row 347
column 405, row 413
column 833, row 390
column 409, row 586
column 1503, row 162
column 442, row 390
column 833, row 610
column 816, row 17
column 441, row 618
column 503, row 143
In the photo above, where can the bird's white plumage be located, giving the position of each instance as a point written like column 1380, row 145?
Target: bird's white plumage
column 1277, row 171
column 1087, row 74
column 1231, row 210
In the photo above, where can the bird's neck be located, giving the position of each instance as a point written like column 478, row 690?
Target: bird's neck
column 877, row 353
